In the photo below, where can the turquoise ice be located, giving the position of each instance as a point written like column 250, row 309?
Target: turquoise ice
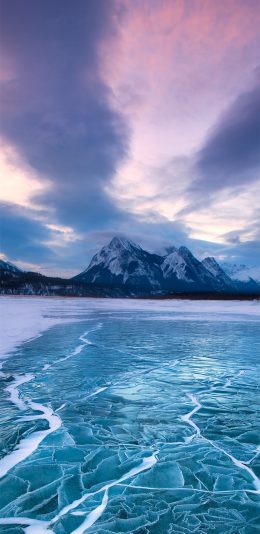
column 136, row 417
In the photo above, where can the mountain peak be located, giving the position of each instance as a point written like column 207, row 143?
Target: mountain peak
column 215, row 270
column 170, row 250
column 122, row 263
column 210, row 259
column 121, row 242
column 185, row 252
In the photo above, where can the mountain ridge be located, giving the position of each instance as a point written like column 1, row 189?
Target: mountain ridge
column 123, row 268
column 122, row 262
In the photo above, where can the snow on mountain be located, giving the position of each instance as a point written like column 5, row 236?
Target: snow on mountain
column 123, row 268
column 182, row 270
column 214, row 268
column 175, row 264
column 111, row 255
column 122, row 262
column 9, row 270
column 241, row 272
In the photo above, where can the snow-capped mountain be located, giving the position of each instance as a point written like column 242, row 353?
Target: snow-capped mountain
column 8, row 270
column 123, row 263
column 241, row 272
column 123, row 269
column 182, row 270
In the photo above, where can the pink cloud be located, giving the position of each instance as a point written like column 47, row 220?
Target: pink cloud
column 166, row 52
column 173, row 67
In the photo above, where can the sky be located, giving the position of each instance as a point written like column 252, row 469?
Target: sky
column 131, row 117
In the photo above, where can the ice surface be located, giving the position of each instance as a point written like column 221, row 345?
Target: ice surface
column 29, row 444
column 129, row 416
column 24, row 318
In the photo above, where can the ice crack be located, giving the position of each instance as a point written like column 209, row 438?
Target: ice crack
column 188, row 419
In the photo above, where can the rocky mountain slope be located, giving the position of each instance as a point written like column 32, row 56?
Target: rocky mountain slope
column 122, row 263
column 123, row 269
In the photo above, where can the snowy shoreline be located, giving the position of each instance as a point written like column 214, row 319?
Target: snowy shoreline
column 23, row 320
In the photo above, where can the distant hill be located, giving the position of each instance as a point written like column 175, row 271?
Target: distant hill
column 9, row 271
column 242, row 273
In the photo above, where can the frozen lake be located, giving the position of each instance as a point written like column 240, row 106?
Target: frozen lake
column 129, row 416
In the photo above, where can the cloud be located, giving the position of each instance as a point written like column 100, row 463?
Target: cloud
column 28, row 240
column 231, row 154
column 173, row 74
column 106, row 107
column 21, row 236
column 19, row 181
column 56, row 110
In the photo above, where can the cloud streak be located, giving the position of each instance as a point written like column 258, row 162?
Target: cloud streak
column 56, row 108
column 231, row 154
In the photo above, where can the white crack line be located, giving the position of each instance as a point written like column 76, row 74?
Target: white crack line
column 188, row 419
